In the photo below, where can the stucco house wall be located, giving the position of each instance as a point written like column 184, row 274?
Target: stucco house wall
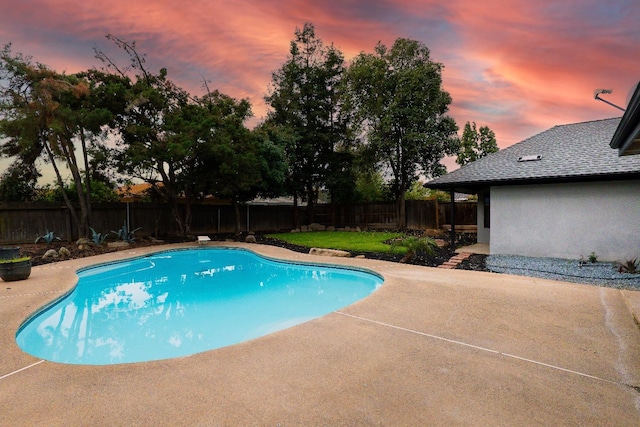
column 569, row 220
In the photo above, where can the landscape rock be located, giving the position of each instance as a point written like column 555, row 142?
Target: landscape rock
column 329, row 252
column 64, row 253
column 360, row 256
column 250, row 239
column 316, row 227
column 304, row 228
column 51, row 254
column 84, row 241
column 357, row 230
column 331, row 228
column 295, row 230
column 119, row 244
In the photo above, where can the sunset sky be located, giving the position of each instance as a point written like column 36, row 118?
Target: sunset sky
column 517, row 66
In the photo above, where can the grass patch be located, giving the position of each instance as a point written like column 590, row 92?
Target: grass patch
column 366, row 241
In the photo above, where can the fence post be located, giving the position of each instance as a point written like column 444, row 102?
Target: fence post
column 453, row 219
column 67, row 223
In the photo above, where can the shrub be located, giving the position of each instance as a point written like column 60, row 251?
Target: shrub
column 415, row 245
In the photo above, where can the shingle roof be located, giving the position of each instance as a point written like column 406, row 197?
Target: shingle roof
column 572, row 152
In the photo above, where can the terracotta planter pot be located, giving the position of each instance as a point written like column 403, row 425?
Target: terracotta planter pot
column 11, row 271
column 9, row 253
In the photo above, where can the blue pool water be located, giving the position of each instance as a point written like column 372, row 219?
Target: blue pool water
column 180, row 302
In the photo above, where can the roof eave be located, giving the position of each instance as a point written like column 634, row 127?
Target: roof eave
column 627, row 136
column 476, row 186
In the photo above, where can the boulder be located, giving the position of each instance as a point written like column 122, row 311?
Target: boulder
column 295, row 230
column 329, row 252
column 331, row 228
column 64, row 253
column 51, row 254
column 316, row 227
column 84, row 241
column 357, row 230
column 250, row 239
column 304, row 228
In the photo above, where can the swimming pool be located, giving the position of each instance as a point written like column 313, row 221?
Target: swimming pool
column 176, row 303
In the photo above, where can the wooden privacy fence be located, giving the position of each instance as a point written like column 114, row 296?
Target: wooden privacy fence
column 23, row 223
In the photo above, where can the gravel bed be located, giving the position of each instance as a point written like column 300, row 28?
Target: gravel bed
column 598, row 273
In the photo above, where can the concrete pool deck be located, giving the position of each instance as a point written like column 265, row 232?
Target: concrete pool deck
column 430, row 347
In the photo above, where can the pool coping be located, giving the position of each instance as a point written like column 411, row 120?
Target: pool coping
column 430, row 346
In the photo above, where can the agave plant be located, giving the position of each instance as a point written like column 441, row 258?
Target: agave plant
column 48, row 237
column 125, row 235
column 98, row 238
column 629, row 266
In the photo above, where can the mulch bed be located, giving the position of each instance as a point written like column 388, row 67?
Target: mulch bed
column 474, row 262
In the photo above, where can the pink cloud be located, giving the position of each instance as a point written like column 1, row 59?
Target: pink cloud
column 518, row 66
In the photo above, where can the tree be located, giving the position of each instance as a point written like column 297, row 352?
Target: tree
column 305, row 98
column 417, row 191
column 397, row 99
column 476, row 144
column 18, row 183
column 370, row 187
column 159, row 137
column 47, row 114
column 238, row 164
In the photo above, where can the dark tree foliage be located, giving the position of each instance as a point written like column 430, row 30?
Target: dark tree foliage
column 193, row 146
column 305, row 97
column 476, row 144
column 396, row 96
column 238, row 164
column 159, row 141
column 18, row 183
column 51, row 115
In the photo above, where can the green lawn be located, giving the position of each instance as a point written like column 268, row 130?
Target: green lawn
column 366, row 241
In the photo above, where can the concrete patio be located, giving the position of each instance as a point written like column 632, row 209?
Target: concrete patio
column 430, row 347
